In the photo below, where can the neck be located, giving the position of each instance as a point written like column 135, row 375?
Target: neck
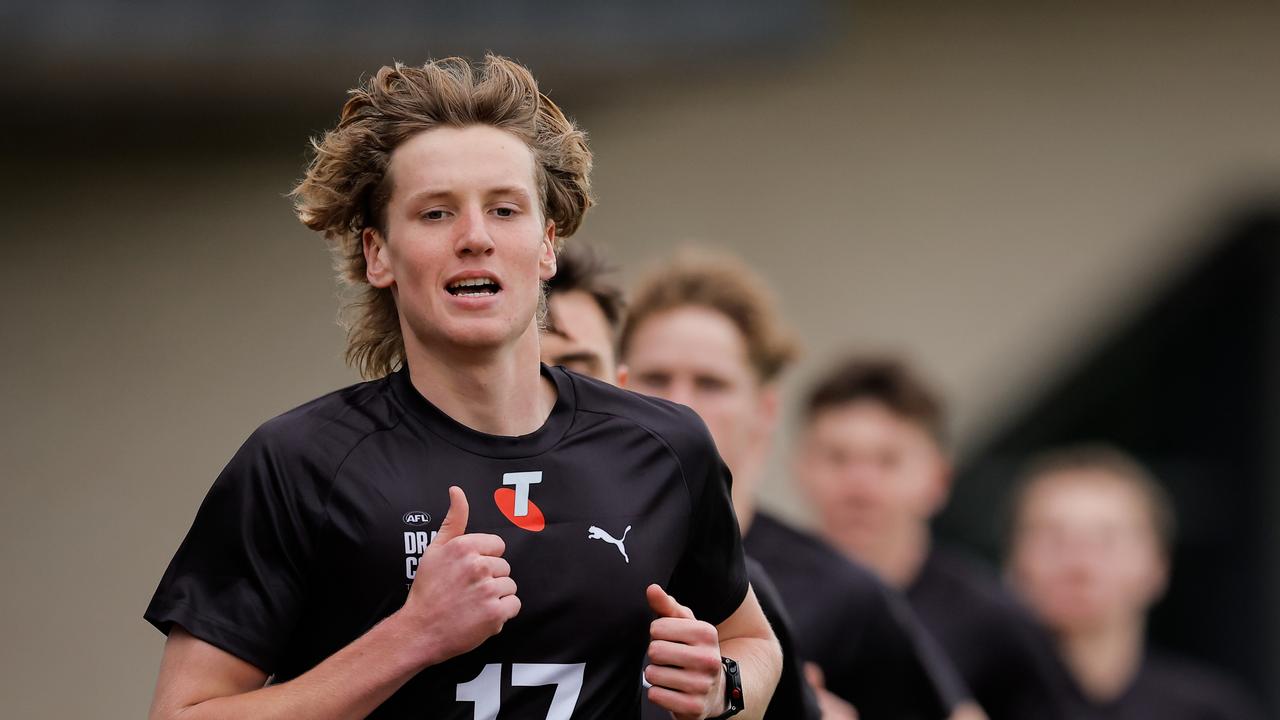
column 1104, row 660
column 896, row 557
column 499, row 392
column 746, row 479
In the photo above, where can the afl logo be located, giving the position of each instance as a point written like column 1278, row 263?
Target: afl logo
column 416, row 517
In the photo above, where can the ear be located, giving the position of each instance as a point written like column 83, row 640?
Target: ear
column 766, row 419
column 1159, row 581
column 377, row 263
column 547, row 259
column 940, row 483
column 799, row 459
column 767, row 411
column 624, row 374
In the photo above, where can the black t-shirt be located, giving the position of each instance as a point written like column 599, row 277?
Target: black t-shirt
column 1166, row 689
column 312, row 534
column 1001, row 654
column 859, row 631
column 793, row 699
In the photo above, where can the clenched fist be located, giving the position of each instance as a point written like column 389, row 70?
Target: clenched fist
column 684, row 657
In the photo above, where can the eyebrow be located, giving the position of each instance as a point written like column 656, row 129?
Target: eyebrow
column 433, row 193
column 508, row 190
column 580, row 355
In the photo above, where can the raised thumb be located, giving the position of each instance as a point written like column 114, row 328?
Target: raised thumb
column 455, row 521
column 664, row 605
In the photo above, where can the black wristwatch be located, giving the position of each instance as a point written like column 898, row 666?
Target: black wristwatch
column 732, row 689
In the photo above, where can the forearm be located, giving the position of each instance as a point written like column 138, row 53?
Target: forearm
column 760, row 663
column 351, row 683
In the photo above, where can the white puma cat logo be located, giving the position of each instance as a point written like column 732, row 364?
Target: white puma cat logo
column 595, row 533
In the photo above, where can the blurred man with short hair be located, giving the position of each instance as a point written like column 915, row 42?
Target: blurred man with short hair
column 871, row 459
column 1091, row 539
column 584, row 315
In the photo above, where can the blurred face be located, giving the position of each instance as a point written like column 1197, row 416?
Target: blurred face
column 870, row 474
column 466, row 245
column 696, row 356
column 1085, row 554
column 582, row 340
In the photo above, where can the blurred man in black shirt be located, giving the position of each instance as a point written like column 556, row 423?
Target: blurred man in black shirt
column 1089, row 549
column 870, row 457
column 702, row 331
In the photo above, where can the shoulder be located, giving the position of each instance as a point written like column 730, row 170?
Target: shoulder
column 959, row 590
column 951, row 573
column 785, row 549
column 1214, row 693
column 772, row 534
column 675, row 425
column 319, row 434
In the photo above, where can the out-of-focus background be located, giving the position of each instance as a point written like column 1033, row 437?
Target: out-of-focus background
column 1067, row 213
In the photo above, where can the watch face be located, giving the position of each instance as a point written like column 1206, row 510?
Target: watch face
column 733, row 699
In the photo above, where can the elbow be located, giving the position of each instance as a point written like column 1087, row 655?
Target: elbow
column 772, row 650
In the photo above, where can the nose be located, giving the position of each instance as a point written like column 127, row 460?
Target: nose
column 473, row 235
column 859, row 481
column 680, row 392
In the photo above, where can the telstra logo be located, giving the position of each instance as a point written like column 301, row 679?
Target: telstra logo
column 516, row 505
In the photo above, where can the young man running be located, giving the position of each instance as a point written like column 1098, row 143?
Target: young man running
column 422, row 545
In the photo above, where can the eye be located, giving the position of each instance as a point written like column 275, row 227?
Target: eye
column 707, row 383
column 504, row 212
column 653, row 380
column 434, row 215
column 583, row 366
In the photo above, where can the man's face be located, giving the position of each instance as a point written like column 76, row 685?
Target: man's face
column 464, row 210
column 870, row 474
column 697, row 357
column 1085, row 554
column 581, row 339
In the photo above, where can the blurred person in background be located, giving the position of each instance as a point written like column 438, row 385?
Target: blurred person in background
column 1091, row 536
column 580, row 333
column 584, row 316
column 870, row 457
column 334, row 556
column 701, row 330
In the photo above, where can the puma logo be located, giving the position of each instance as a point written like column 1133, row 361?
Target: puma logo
column 595, row 533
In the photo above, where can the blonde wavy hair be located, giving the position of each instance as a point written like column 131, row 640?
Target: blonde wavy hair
column 721, row 282
column 346, row 187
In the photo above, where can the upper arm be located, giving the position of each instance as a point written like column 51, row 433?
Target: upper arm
column 193, row 671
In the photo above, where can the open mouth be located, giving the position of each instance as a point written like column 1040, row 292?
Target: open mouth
column 474, row 287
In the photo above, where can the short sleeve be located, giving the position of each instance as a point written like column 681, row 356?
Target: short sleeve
column 711, row 577
column 237, row 580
